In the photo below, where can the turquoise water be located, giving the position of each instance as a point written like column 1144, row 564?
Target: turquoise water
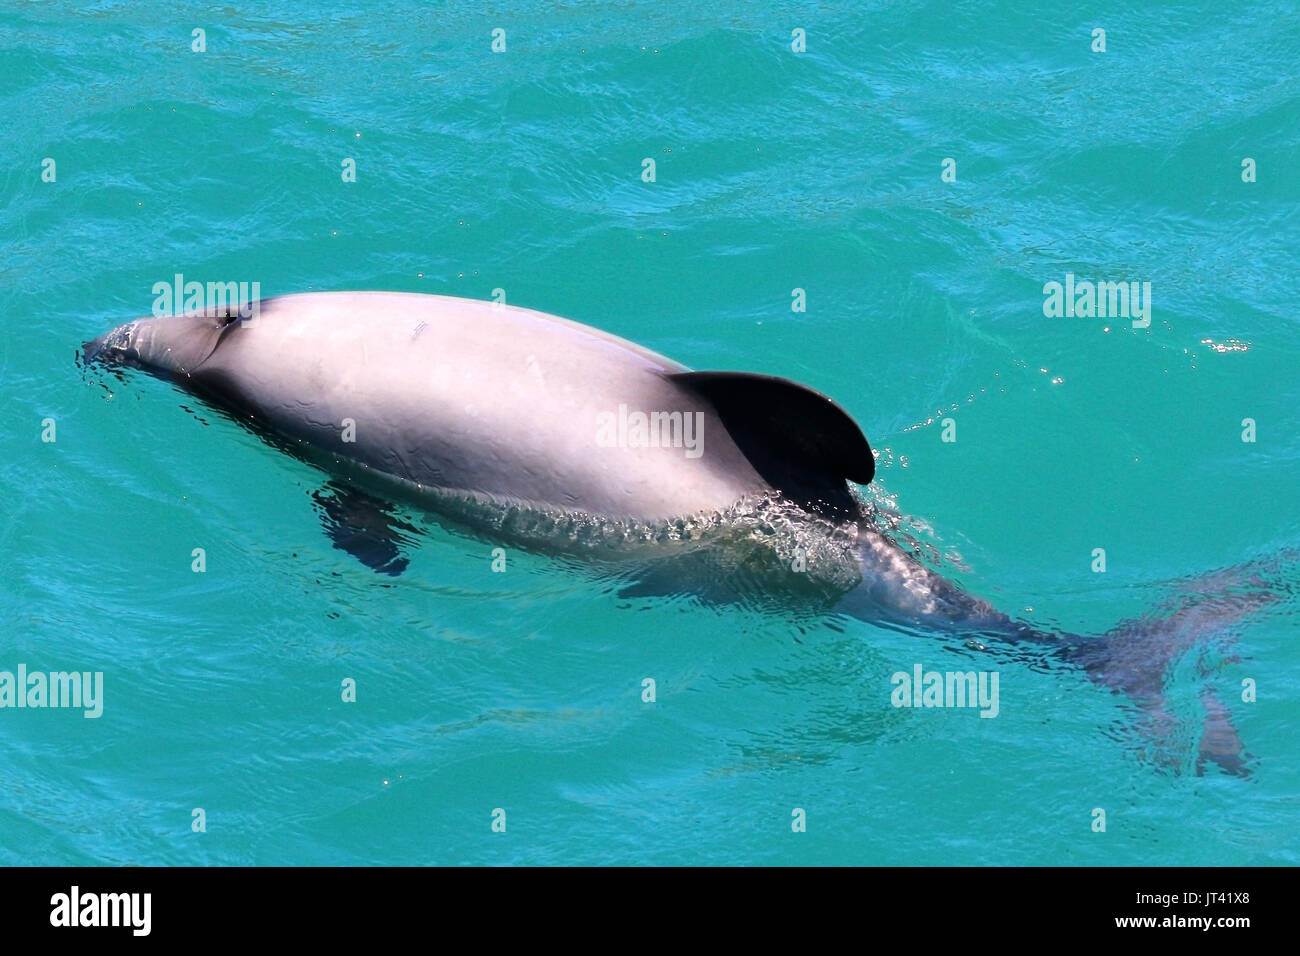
column 522, row 170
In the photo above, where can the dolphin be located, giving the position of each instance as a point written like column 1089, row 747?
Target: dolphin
column 539, row 430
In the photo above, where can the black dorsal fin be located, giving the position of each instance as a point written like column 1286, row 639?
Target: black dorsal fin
column 800, row 441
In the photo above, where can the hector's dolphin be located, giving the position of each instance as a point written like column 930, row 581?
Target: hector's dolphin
column 552, row 434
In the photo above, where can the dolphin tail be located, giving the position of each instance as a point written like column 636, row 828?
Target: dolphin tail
column 1220, row 742
column 1135, row 659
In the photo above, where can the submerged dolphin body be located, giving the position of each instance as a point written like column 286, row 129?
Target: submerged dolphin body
column 555, row 435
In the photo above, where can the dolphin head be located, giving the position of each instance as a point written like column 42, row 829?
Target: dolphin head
column 175, row 345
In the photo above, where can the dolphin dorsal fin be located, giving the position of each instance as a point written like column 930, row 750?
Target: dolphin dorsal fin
column 798, row 440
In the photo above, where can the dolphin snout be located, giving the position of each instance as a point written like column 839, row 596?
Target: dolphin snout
column 114, row 347
column 166, row 345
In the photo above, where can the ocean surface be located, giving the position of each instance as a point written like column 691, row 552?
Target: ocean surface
column 921, row 171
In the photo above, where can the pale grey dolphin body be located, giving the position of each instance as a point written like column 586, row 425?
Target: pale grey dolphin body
column 468, row 397
column 495, row 413
column 486, row 410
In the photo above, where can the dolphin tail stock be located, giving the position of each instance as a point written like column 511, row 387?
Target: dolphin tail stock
column 1136, row 657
